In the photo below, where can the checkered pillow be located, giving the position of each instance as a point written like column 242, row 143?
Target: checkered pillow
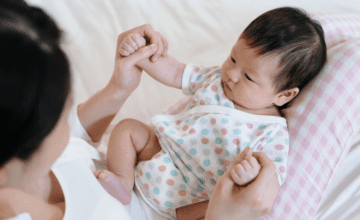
column 322, row 121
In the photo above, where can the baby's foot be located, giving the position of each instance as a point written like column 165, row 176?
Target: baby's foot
column 245, row 171
column 115, row 185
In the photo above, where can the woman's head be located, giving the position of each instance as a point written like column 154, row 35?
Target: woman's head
column 34, row 79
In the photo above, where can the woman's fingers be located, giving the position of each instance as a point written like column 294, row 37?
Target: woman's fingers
column 138, row 55
column 165, row 45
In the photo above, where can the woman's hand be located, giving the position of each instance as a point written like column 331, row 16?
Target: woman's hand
column 230, row 201
column 126, row 76
column 98, row 111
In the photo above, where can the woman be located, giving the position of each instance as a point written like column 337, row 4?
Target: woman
column 34, row 108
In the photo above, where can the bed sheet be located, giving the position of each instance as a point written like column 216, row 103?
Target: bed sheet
column 198, row 31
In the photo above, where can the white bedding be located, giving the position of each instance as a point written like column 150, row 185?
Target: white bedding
column 197, row 31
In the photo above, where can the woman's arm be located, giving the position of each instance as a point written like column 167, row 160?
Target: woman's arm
column 99, row 110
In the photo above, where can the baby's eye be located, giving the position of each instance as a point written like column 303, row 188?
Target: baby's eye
column 247, row 77
column 232, row 59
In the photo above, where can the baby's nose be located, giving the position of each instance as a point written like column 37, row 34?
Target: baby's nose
column 233, row 75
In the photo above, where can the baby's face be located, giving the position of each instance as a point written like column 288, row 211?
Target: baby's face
column 246, row 78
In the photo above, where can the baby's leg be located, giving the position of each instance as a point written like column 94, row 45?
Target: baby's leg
column 246, row 170
column 129, row 142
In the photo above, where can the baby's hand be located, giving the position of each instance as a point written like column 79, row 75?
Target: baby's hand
column 131, row 43
column 245, row 171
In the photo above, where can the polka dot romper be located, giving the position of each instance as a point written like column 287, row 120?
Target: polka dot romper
column 200, row 143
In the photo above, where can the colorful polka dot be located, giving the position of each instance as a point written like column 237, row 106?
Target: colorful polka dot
column 202, row 180
column 197, row 69
column 278, row 159
column 189, row 167
column 140, row 172
column 205, row 131
column 207, row 162
column 206, row 152
column 268, row 133
column 227, row 153
column 212, row 181
column 204, row 91
column 185, row 128
column 260, row 133
column 287, row 141
column 224, row 120
column 249, row 125
column 156, row 201
column 262, row 127
column 198, row 78
column 161, row 129
column 170, row 182
column 192, row 131
column 279, row 147
column 169, row 194
column 182, row 186
column 172, row 132
column 236, row 141
column 204, row 141
column 220, row 172
column 213, row 121
column 182, row 193
column 208, row 100
column 218, row 150
column 186, row 179
column 237, row 131
column 214, row 88
column 259, row 147
column 193, row 141
column 162, row 168
column 227, row 104
column 210, row 173
column 178, row 154
column 223, row 131
column 158, row 179
column 192, row 152
column 146, row 186
column 174, row 173
column 183, row 203
column 151, row 165
column 204, row 195
column 216, row 131
column 167, row 159
column 168, row 204
column 200, row 188
column 156, row 190
column 282, row 169
column 180, row 141
column 268, row 139
column 193, row 195
column 217, row 97
column 218, row 141
column 148, row 175
column 178, row 122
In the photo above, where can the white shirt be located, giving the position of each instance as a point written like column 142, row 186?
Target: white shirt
column 85, row 198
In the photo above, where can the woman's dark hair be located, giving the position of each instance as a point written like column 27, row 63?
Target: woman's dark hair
column 298, row 39
column 34, row 78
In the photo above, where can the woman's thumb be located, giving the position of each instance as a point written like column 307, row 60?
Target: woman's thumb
column 141, row 54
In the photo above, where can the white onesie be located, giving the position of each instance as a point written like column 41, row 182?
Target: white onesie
column 201, row 142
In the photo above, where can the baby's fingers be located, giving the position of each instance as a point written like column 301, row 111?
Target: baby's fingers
column 238, row 173
column 254, row 163
column 125, row 49
column 138, row 40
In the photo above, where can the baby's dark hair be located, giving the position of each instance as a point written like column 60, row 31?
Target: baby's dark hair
column 296, row 38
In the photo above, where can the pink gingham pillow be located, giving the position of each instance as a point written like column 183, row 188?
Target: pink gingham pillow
column 322, row 121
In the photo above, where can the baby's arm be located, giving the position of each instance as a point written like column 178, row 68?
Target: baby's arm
column 245, row 171
column 166, row 70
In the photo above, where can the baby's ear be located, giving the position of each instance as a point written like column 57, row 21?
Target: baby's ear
column 286, row 96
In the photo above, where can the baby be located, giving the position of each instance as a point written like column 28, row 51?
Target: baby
column 233, row 107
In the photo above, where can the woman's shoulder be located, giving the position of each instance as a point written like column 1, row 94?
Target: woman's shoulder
column 14, row 202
